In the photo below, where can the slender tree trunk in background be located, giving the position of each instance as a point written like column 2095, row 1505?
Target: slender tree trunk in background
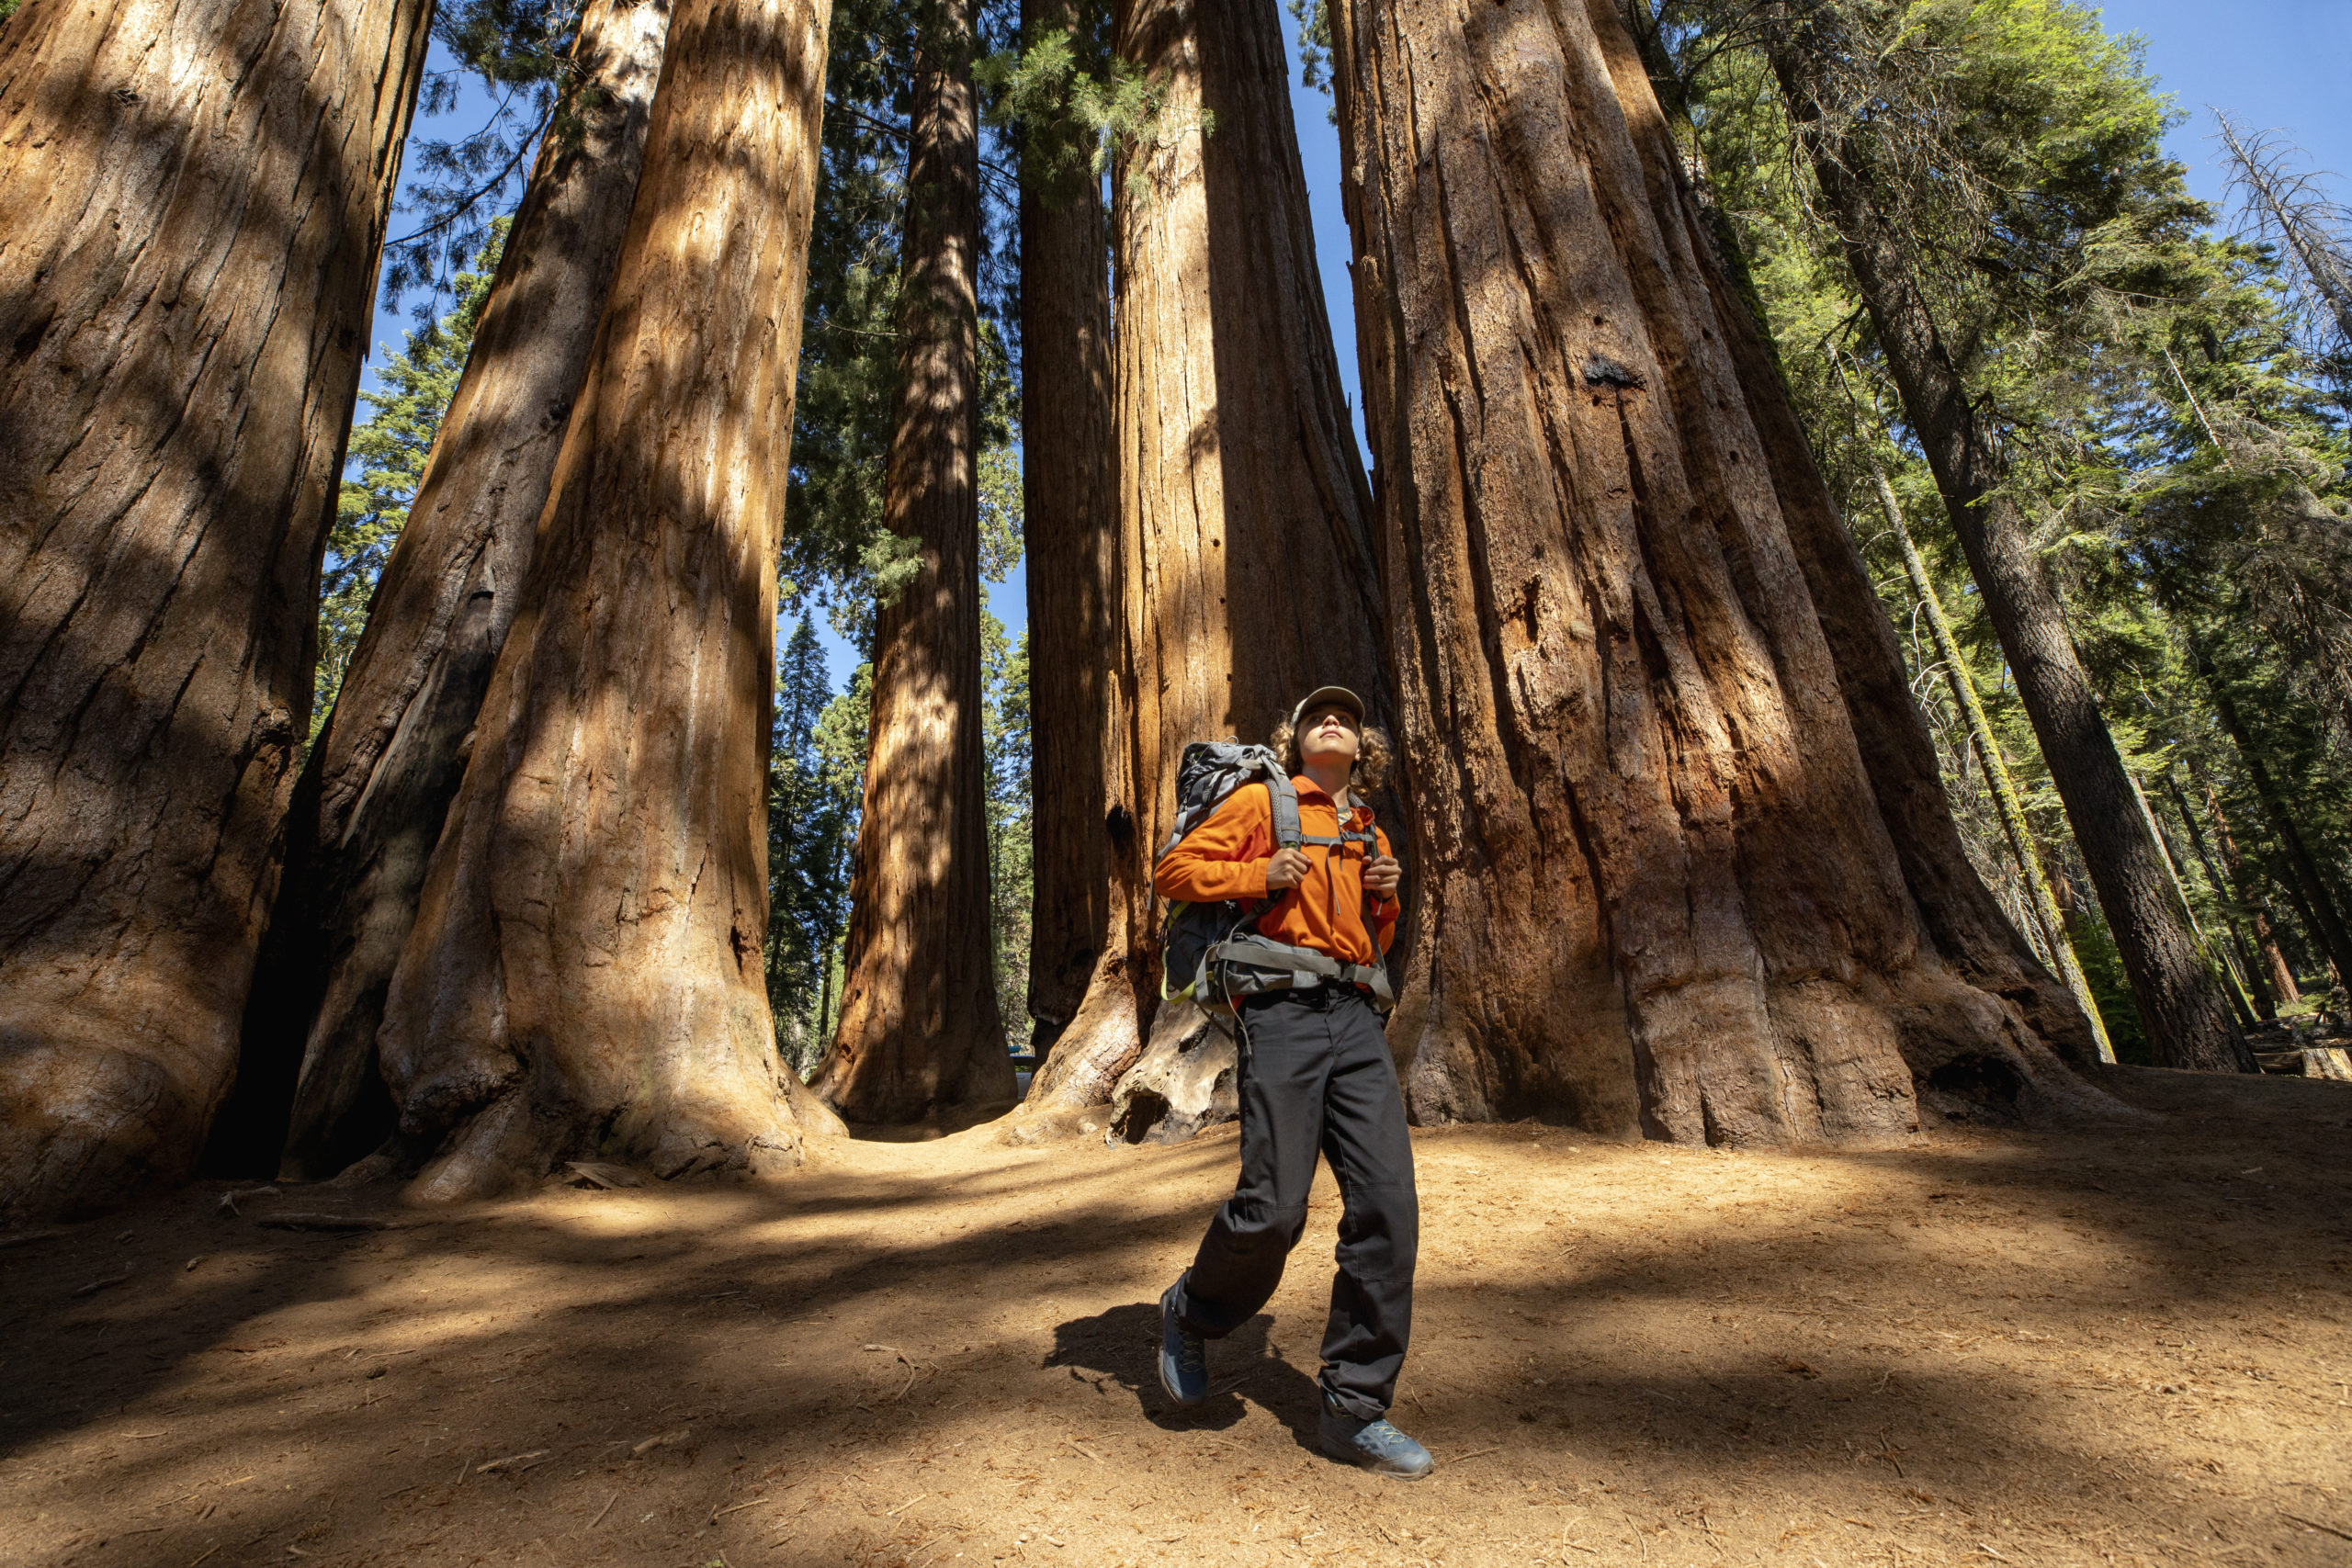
column 195, row 195
column 920, row 1031
column 2257, row 908
column 1090, row 903
column 382, row 772
column 1657, row 888
column 2266, row 1008
column 585, row 969
column 2231, row 988
column 1996, row 768
column 1245, row 518
column 2325, row 919
column 2188, row 1019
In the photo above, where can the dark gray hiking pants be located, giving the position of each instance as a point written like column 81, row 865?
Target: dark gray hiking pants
column 1316, row 1075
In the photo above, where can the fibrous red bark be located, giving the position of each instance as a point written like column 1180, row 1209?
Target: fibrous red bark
column 920, row 1031
column 1245, row 517
column 585, row 973
column 1089, row 902
column 1246, row 547
column 196, row 193
column 384, row 768
column 1659, row 885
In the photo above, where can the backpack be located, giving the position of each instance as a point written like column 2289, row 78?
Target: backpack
column 1215, row 950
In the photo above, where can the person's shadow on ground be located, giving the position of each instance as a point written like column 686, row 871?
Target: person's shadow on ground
column 1121, row 1347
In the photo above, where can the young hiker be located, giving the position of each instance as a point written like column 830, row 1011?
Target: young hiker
column 1315, row 1073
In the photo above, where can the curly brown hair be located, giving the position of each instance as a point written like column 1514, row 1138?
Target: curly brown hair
column 1372, row 754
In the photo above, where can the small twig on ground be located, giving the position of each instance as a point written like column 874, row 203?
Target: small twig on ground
column 513, row 1461
column 1476, row 1453
column 659, row 1440
column 329, row 1222
column 95, row 1286
column 717, row 1513
column 1081, row 1447
column 602, row 1511
column 902, row 1507
column 2315, row 1524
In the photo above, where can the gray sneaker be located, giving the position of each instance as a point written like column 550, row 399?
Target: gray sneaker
column 1183, row 1359
column 1376, row 1445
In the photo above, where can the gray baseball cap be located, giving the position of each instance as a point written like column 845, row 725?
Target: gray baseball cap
column 1322, row 697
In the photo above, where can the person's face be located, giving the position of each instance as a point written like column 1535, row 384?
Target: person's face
column 1330, row 734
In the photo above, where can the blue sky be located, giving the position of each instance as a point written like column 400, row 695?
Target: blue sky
column 2279, row 64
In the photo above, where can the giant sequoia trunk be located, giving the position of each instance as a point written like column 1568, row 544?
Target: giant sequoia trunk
column 1962, row 916
column 920, row 1031
column 585, row 969
column 195, row 195
column 1089, row 901
column 1245, row 520
column 382, row 772
column 1658, row 887
column 2188, row 1021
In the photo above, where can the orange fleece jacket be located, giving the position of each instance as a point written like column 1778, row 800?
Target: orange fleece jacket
column 1226, row 857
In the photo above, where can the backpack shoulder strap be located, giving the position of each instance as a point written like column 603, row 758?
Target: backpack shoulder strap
column 1284, row 796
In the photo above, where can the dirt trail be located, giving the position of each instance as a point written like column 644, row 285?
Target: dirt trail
column 2129, row 1347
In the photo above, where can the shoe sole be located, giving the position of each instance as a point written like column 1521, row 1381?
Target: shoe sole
column 1365, row 1461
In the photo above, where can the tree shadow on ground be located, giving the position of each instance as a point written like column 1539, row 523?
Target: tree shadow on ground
column 1989, row 1318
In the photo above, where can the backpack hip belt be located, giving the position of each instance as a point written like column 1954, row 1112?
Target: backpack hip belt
column 1305, row 967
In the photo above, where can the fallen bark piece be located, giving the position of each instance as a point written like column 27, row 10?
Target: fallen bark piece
column 515, row 1462
column 229, row 1201
column 26, row 1238
column 608, row 1177
column 329, row 1222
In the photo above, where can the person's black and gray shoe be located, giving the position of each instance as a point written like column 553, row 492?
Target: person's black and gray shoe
column 1376, row 1445
column 1183, row 1359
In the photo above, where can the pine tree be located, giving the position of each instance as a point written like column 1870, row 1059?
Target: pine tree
column 808, row 833
column 1004, row 674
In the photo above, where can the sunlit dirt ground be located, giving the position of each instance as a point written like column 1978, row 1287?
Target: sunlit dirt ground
column 2127, row 1345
